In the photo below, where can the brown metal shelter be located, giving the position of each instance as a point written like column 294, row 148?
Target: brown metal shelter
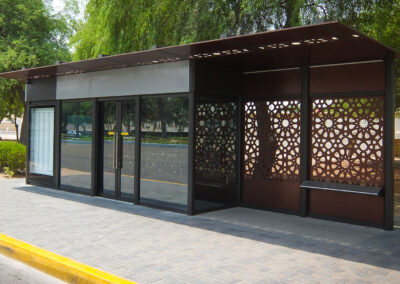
column 298, row 120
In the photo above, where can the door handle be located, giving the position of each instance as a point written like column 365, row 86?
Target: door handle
column 121, row 149
column 115, row 160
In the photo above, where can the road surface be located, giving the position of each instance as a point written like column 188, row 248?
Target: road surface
column 12, row 271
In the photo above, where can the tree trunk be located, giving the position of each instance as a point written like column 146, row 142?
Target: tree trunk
column 292, row 9
column 267, row 143
column 162, row 118
column 16, row 127
column 24, row 126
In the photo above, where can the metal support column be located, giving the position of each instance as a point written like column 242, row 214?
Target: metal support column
column 304, row 138
column 95, row 148
column 137, row 151
column 57, row 144
column 191, row 197
column 389, row 136
column 239, row 150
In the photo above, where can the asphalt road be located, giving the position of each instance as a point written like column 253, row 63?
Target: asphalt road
column 14, row 272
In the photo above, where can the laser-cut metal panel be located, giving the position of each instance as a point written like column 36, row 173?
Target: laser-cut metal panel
column 215, row 140
column 215, row 147
column 347, row 140
column 272, row 140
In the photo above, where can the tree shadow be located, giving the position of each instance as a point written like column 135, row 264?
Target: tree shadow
column 344, row 241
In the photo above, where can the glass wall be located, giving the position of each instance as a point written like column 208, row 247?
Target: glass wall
column 42, row 141
column 76, row 145
column 164, row 151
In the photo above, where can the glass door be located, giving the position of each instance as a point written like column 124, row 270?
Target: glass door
column 110, row 171
column 118, row 149
column 127, row 151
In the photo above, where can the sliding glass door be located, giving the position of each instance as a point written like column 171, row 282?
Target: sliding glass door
column 118, row 146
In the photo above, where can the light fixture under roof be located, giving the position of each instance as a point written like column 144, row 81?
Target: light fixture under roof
column 334, row 38
column 296, row 43
column 355, row 35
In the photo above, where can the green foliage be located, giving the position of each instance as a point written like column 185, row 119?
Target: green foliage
column 30, row 35
column 8, row 172
column 119, row 26
column 12, row 156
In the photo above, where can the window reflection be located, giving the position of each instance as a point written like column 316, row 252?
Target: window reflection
column 164, row 151
column 76, row 145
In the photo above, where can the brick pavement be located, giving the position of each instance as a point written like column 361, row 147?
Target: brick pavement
column 230, row 246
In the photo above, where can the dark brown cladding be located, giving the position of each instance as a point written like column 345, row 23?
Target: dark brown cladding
column 350, row 206
column 278, row 83
column 315, row 44
column 348, row 78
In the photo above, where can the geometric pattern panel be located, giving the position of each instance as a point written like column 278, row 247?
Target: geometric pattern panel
column 347, row 140
column 272, row 140
column 215, row 139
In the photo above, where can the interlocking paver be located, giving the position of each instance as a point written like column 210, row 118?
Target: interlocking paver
column 230, row 246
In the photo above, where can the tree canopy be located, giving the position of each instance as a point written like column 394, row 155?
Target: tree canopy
column 119, row 26
column 30, row 35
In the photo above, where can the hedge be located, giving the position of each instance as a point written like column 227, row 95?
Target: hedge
column 13, row 156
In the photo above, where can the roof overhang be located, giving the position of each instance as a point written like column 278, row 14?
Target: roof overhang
column 325, row 43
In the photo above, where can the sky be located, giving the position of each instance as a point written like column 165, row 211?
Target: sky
column 58, row 5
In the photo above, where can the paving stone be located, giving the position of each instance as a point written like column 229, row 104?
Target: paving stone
column 237, row 245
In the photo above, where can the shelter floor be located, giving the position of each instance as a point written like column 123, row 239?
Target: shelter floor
column 237, row 245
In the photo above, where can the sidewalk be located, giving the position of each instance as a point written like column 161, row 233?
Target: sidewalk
column 230, row 246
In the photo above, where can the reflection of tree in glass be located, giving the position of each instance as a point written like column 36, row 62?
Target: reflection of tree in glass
column 85, row 117
column 128, row 115
column 109, row 116
column 164, row 114
column 77, row 115
column 68, row 116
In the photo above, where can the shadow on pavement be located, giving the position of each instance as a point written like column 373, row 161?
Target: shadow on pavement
column 344, row 241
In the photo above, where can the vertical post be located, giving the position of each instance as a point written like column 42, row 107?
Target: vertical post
column 190, row 206
column 137, row 151
column 28, row 141
column 191, row 197
column 117, row 158
column 389, row 133
column 95, row 148
column 239, row 150
column 304, row 138
column 57, row 144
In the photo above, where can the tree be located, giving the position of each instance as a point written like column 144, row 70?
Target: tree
column 30, row 36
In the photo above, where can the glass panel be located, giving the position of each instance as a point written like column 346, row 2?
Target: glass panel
column 109, row 135
column 76, row 145
column 128, row 149
column 42, row 141
column 164, row 151
column 215, row 164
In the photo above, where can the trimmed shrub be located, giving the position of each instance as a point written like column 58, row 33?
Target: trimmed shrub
column 13, row 156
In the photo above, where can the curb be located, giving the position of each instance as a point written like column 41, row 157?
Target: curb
column 53, row 264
